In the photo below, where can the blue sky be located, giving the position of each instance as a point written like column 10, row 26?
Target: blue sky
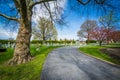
column 75, row 18
column 70, row 32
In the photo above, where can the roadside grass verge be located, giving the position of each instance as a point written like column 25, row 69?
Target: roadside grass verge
column 95, row 51
column 29, row 71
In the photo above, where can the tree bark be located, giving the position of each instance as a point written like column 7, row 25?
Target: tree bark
column 22, row 47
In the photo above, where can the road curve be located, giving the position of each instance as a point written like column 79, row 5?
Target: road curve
column 67, row 63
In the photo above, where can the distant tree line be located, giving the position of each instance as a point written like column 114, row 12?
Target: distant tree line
column 53, row 41
column 6, row 41
column 41, row 41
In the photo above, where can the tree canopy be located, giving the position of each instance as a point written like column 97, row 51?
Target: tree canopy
column 86, row 28
column 45, row 30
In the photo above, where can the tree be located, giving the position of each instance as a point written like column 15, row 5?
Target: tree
column 115, row 35
column 99, row 34
column 24, row 9
column 45, row 30
column 109, row 22
column 87, row 26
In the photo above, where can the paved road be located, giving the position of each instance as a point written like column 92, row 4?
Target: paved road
column 67, row 63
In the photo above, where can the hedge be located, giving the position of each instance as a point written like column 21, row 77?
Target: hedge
column 39, row 41
column 91, row 41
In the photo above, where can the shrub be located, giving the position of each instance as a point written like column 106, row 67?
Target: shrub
column 91, row 41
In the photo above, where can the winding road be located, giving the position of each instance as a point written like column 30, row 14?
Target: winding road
column 67, row 63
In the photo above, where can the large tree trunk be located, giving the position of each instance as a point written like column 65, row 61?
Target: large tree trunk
column 22, row 47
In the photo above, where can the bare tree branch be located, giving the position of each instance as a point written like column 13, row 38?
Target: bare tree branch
column 44, row 30
column 17, row 5
column 39, row 2
column 10, row 18
column 48, row 9
column 84, row 3
column 99, row 2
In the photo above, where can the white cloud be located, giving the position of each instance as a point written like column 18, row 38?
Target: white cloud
column 6, row 34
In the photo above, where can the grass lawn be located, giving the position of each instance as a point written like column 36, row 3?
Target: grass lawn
column 28, row 71
column 95, row 51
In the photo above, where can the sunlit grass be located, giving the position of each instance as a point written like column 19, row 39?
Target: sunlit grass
column 95, row 51
column 4, row 56
column 28, row 71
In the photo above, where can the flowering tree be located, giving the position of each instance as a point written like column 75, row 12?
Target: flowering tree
column 115, row 36
column 101, row 35
column 98, row 33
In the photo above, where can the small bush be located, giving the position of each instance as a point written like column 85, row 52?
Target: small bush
column 91, row 41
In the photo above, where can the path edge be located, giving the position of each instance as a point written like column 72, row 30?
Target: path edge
column 100, row 59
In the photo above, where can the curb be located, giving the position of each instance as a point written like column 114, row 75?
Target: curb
column 100, row 59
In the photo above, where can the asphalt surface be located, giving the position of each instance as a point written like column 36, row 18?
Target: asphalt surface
column 67, row 63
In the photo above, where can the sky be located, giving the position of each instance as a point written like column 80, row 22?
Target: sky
column 70, row 31
column 74, row 18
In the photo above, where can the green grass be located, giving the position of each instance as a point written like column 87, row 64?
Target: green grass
column 4, row 56
column 95, row 51
column 28, row 71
